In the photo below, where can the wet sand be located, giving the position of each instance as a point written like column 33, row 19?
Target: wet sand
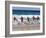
column 24, row 27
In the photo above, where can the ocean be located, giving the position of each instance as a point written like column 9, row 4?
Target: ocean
column 26, row 12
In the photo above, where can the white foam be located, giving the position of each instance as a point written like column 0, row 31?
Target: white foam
column 18, row 16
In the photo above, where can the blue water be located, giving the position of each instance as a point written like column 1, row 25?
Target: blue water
column 26, row 12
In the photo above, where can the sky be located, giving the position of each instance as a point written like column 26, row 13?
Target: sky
column 25, row 8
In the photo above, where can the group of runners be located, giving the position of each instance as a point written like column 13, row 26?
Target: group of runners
column 28, row 19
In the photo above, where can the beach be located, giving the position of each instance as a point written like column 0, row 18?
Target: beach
column 25, row 25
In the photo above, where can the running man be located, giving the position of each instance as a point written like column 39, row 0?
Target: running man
column 21, row 19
